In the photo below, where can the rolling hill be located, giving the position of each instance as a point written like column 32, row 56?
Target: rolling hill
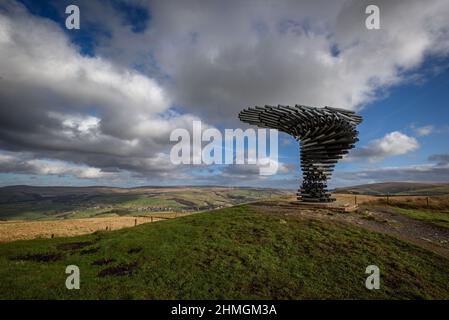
column 398, row 188
column 43, row 203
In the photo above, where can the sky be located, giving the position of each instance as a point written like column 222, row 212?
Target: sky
column 96, row 106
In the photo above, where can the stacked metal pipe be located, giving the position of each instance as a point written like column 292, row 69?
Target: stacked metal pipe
column 325, row 135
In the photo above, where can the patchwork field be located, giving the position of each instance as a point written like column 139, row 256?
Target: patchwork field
column 50, row 203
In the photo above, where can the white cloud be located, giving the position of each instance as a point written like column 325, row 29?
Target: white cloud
column 424, row 130
column 395, row 143
column 392, row 144
column 36, row 54
column 22, row 163
column 51, row 167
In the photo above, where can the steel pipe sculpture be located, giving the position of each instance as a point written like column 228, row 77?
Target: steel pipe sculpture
column 325, row 135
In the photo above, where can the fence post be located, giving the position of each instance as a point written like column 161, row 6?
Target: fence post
column 355, row 199
column 427, row 198
column 135, row 222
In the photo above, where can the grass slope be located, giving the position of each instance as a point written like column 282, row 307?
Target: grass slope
column 233, row 253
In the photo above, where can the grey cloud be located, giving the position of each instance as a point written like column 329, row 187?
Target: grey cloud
column 209, row 58
column 422, row 173
column 241, row 171
column 281, row 52
column 440, row 158
column 58, row 104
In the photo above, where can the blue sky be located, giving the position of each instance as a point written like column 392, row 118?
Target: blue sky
column 406, row 108
column 97, row 105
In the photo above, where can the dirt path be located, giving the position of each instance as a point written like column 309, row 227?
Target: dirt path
column 384, row 220
column 421, row 233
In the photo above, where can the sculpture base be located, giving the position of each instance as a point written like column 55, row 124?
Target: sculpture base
column 305, row 197
column 333, row 206
column 316, row 200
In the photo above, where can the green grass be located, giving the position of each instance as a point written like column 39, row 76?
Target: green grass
column 435, row 217
column 233, row 253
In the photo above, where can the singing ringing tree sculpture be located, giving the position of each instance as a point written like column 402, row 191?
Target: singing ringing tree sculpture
column 325, row 135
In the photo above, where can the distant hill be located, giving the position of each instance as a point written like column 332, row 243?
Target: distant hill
column 397, row 188
column 35, row 203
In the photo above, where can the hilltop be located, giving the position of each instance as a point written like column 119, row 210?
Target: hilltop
column 259, row 251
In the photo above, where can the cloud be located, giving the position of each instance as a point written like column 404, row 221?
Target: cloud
column 22, row 163
column 424, row 130
column 288, row 52
column 275, row 52
column 412, row 173
column 392, row 144
column 61, row 105
column 245, row 171
column 440, row 158
column 194, row 60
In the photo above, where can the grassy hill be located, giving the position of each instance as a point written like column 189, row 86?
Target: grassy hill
column 232, row 253
column 398, row 188
column 43, row 203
